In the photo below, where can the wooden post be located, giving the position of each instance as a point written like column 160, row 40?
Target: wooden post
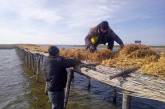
column 72, row 77
column 69, row 80
column 30, row 59
column 26, row 59
column 126, row 101
column 37, row 67
column 89, row 83
column 32, row 62
column 28, row 65
column 41, row 63
column 114, row 95
column 35, row 64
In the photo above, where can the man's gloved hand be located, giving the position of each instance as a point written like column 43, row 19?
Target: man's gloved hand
column 92, row 48
column 121, row 47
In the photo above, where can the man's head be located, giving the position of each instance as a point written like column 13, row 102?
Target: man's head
column 53, row 51
column 104, row 26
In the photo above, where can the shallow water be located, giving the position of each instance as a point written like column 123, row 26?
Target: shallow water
column 12, row 81
column 18, row 90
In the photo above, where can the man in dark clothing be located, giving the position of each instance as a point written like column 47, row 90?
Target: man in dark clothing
column 56, row 76
column 102, row 34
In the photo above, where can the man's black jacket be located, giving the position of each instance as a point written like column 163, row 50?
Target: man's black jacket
column 55, row 72
column 109, row 37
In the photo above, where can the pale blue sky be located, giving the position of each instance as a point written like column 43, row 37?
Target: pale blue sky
column 69, row 21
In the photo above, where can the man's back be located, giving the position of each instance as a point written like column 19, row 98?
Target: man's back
column 55, row 72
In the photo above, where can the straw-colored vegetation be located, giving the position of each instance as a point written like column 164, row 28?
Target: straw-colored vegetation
column 132, row 55
column 83, row 54
column 149, row 61
column 156, row 68
column 35, row 48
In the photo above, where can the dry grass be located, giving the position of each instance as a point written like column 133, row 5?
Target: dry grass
column 156, row 68
column 137, row 51
column 132, row 55
column 124, row 63
column 83, row 54
column 139, row 55
column 143, row 56
column 77, row 53
column 35, row 48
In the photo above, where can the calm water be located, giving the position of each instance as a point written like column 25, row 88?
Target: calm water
column 18, row 90
column 12, row 81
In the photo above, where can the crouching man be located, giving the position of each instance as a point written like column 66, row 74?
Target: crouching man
column 102, row 34
column 56, row 76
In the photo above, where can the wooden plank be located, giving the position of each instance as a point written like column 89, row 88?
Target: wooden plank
column 126, row 101
column 138, row 87
column 124, row 73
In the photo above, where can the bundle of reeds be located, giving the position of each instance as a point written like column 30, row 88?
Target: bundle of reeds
column 83, row 54
column 76, row 53
column 137, row 51
column 156, row 68
column 132, row 55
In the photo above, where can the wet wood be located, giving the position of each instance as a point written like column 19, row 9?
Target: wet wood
column 28, row 62
column 67, row 89
column 89, row 83
column 37, row 68
column 25, row 60
column 125, row 72
column 126, row 102
column 114, row 93
column 137, row 84
column 32, row 62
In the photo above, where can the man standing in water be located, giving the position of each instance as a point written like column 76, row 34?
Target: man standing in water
column 102, row 34
column 56, row 76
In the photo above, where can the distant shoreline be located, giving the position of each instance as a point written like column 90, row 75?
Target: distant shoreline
column 12, row 46
column 7, row 46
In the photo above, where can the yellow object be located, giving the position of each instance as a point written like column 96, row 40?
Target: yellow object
column 94, row 39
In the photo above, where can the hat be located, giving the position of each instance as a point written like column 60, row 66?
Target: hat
column 104, row 25
column 53, row 50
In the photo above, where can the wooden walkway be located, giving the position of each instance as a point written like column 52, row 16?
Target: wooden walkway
column 132, row 84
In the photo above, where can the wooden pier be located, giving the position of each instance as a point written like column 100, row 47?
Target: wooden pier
column 132, row 84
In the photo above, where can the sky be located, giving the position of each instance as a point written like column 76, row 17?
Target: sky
column 69, row 21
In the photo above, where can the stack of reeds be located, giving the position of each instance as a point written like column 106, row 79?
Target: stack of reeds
column 83, row 54
column 132, row 54
column 156, row 68
column 149, row 61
